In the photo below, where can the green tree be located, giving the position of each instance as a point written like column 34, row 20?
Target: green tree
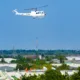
column 22, row 64
column 53, row 75
column 41, row 77
column 61, row 58
column 24, row 77
column 49, row 58
column 13, row 61
column 2, row 60
column 66, row 76
column 63, row 67
column 76, row 76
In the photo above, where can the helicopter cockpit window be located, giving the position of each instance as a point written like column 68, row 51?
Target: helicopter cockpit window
column 37, row 12
column 42, row 12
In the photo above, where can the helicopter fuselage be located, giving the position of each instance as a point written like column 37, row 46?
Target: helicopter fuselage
column 35, row 14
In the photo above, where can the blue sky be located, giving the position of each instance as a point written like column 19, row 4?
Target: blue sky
column 60, row 29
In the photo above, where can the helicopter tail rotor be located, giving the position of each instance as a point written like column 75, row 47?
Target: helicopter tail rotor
column 15, row 11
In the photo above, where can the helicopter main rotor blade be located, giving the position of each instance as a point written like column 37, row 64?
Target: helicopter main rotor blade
column 42, row 6
column 36, row 8
column 31, row 9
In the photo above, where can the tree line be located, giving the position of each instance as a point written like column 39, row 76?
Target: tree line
column 52, row 75
column 45, row 52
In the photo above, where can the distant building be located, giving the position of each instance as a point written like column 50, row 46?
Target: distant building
column 8, row 67
column 72, row 61
column 8, row 60
column 40, row 56
column 3, row 68
column 55, row 61
column 73, row 57
column 30, row 56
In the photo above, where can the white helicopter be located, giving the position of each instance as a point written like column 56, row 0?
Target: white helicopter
column 34, row 13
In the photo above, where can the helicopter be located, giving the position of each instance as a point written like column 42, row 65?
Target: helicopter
column 35, row 13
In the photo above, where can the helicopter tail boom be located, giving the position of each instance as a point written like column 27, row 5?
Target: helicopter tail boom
column 22, row 14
